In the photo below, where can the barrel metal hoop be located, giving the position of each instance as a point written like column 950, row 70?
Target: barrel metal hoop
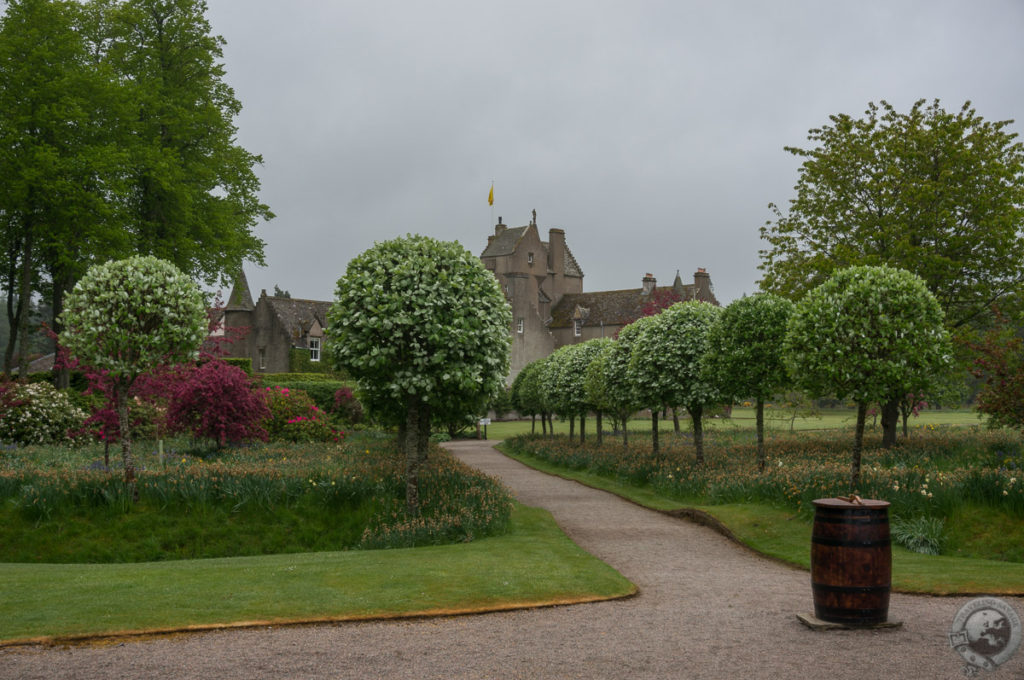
column 823, row 587
column 851, row 542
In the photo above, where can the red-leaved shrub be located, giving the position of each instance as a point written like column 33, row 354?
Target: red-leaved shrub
column 219, row 402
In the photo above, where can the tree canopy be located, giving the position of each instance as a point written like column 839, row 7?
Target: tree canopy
column 937, row 193
column 871, row 334
column 747, row 361
column 667, row 362
column 424, row 328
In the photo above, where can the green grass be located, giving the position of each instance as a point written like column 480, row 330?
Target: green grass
column 786, row 536
column 776, row 420
column 535, row 563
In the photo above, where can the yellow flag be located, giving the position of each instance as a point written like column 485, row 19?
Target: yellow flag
column 490, row 197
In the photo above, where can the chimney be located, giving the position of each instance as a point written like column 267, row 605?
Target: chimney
column 649, row 283
column 556, row 251
column 702, row 285
column 499, row 227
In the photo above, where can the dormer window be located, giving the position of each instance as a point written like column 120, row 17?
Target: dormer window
column 577, row 327
column 314, row 349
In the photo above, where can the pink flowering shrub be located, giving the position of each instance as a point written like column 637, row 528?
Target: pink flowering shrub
column 218, row 401
column 295, row 418
column 346, row 407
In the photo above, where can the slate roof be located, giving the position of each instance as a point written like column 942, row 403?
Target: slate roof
column 240, row 297
column 297, row 315
column 504, row 243
column 612, row 307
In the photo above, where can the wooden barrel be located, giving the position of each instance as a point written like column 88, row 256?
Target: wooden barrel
column 851, row 561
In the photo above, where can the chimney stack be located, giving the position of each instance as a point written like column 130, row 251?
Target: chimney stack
column 649, row 283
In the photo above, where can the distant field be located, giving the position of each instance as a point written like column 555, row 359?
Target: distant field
column 743, row 418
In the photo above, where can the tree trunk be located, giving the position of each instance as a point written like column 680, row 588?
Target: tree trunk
column 890, row 422
column 858, row 445
column 410, row 448
column 533, row 423
column 600, row 435
column 675, row 420
column 625, row 432
column 583, row 427
column 61, row 286
column 572, row 427
column 696, row 415
column 654, row 433
column 124, row 426
column 760, row 435
column 905, row 416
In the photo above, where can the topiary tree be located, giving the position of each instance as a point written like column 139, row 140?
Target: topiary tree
column 595, row 383
column 127, row 318
column 565, row 382
column 423, row 327
column 528, row 394
column 870, row 334
column 219, row 402
column 748, row 360
column 666, row 362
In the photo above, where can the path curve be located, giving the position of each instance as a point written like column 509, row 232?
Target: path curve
column 707, row 608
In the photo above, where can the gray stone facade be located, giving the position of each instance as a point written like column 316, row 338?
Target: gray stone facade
column 543, row 284
column 268, row 330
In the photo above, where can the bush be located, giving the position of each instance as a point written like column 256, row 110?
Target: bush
column 295, row 418
column 38, row 413
column 346, row 407
column 218, row 401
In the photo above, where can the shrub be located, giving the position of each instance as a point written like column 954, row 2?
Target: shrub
column 295, row 418
column 347, row 407
column 218, row 401
column 37, row 413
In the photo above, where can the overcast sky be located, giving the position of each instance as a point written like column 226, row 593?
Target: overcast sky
column 651, row 132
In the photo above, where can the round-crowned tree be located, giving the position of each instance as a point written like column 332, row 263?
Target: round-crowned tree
column 129, row 317
column 748, row 360
column 424, row 328
column 870, row 334
column 666, row 362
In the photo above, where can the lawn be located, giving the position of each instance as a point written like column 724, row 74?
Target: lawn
column 742, row 418
column 533, row 564
column 970, row 478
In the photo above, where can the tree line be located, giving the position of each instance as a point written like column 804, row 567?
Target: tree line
column 117, row 137
column 869, row 334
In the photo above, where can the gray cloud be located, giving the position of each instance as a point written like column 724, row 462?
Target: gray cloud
column 652, row 132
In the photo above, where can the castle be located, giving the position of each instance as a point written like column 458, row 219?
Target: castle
column 543, row 284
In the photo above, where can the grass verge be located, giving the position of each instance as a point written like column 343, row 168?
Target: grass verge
column 534, row 564
column 782, row 535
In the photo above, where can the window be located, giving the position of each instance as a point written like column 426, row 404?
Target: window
column 519, row 325
column 314, row 349
column 263, row 359
column 577, row 327
column 529, row 258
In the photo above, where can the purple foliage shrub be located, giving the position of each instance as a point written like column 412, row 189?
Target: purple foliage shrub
column 218, row 401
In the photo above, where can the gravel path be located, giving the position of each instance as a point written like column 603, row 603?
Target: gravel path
column 707, row 608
